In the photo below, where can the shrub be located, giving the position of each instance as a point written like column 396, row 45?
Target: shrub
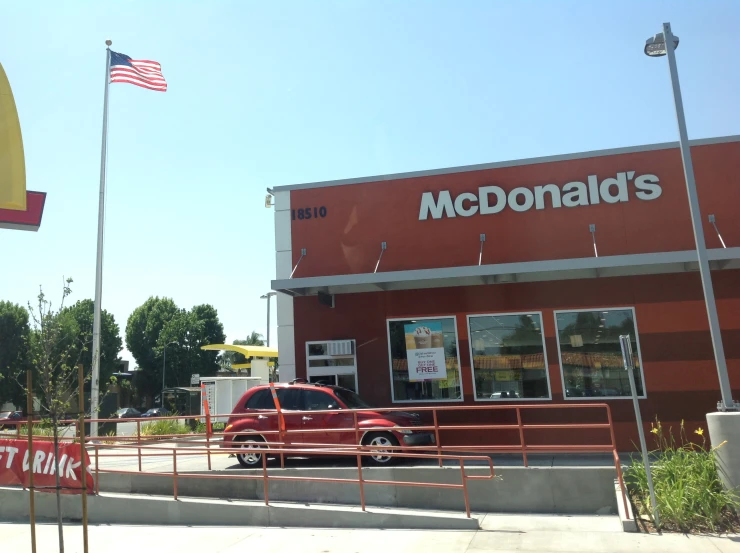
column 200, row 428
column 163, row 428
column 688, row 491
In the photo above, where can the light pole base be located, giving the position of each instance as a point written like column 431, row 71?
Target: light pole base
column 725, row 427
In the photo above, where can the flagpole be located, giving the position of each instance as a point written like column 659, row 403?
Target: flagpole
column 95, row 384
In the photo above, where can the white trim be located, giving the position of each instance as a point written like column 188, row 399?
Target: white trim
column 335, row 370
column 511, row 163
column 637, row 340
column 457, row 349
column 544, row 353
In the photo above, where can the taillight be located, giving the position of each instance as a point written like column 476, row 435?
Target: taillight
column 228, row 427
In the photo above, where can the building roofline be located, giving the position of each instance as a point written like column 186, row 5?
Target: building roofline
column 511, row 163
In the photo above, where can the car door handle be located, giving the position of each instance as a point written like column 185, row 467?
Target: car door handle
column 261, row 417
column 307, row 418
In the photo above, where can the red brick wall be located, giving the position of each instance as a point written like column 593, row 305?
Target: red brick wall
column 680, row 374
column 361, row 216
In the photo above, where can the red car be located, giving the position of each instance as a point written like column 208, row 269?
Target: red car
column 297, row 400
column 10, row 417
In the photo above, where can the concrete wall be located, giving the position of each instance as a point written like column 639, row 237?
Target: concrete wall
column 283, row 268
column 560, row 490
column 126, row 509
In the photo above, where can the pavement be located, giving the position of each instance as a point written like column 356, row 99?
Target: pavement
column 499, row 533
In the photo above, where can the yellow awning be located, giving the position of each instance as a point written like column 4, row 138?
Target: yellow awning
column 249, row 365
column 246, row 351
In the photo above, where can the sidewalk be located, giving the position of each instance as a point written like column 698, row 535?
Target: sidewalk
column 500, row 533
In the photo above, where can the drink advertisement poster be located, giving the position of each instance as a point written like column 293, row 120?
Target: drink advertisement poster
column 425, row 351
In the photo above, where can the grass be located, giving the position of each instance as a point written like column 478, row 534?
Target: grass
column 163, row 428
column 689, row 494
column 46, row 429
column 39, row 429
column 200, row 428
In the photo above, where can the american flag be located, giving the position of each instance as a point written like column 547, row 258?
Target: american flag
column 143, row 73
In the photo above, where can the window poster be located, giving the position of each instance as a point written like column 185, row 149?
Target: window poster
column 425, row 351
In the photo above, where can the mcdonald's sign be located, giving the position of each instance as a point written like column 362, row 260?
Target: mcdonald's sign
column 20, row 209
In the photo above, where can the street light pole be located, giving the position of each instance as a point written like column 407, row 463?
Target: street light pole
column 267, row 297
column 653, row 48
column 164, row 366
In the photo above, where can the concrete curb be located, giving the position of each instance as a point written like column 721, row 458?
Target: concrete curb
column 628, row 524
column 152, row 510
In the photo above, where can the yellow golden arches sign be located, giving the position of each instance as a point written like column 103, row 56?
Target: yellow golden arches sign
column 19, row 208
column 12, row 163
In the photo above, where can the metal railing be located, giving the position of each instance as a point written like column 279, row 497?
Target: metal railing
column 282, row 449
column 278, row 441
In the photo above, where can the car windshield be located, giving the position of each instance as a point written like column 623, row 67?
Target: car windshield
column 351, row 399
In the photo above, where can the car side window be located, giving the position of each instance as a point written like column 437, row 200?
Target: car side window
column 289, row 398
column 316, row 400
column 261, row 400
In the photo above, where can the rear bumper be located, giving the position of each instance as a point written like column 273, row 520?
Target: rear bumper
column 422, row 438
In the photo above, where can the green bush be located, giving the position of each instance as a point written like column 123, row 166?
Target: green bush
column 163, row 428
column 688, row 491
column 200, row 428
column 42, row 429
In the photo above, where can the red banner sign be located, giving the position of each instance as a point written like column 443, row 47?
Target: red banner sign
column 15, row 466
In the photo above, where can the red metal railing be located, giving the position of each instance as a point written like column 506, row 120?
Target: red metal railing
column 283, row 446
column 268, row 449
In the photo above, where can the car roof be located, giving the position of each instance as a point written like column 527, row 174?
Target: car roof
column 299, row 385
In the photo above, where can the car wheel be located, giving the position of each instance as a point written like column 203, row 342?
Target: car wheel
column 250, row 458
column 380, row 439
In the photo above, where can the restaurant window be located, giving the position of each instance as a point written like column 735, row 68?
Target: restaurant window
column 508, row 353
column 424, row 359
column 590, row 355
column 333, row 362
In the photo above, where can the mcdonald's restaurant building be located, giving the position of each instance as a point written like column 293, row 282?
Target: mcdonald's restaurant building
column 511, row 283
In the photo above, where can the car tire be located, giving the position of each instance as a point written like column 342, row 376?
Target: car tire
column 381, row 439
column 249, row 459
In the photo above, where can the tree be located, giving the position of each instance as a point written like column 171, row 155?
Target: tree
column 14, row 337
column 190, row 330
column 55, row 349
column 143, row 329
column 159, row 324
column 110, row 339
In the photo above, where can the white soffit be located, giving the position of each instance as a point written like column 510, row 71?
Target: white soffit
column 529, row 271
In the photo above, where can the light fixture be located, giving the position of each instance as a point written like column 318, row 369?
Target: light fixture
column 655, row 46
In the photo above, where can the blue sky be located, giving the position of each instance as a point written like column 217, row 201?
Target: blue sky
column 280, row 92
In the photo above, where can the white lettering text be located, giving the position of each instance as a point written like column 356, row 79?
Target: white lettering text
column 494, row 199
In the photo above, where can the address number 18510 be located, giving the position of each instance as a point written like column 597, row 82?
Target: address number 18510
column 308, row 213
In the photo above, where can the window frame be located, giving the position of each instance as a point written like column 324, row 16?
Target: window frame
column 461, row 399
column 637, row 341
column 544, row 352
column 335, row 370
